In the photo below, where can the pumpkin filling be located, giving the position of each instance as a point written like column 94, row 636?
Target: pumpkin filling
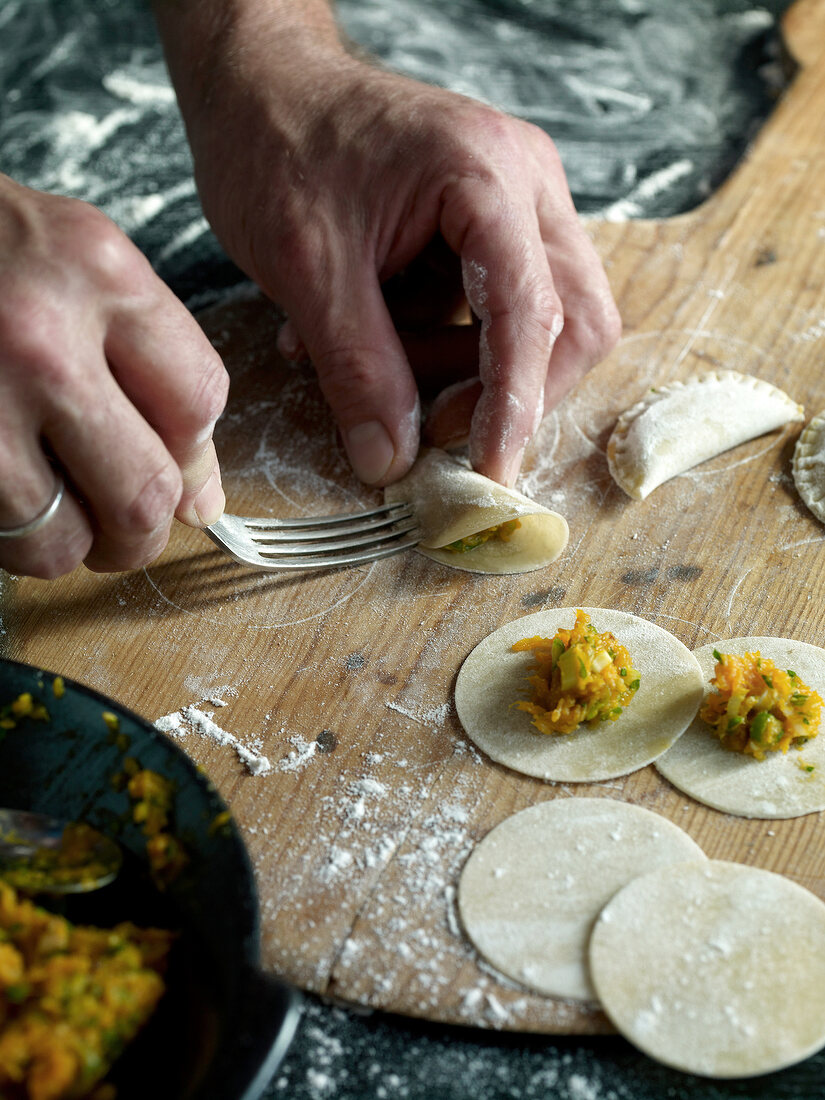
column 502, row 531
column 579, row 675
column 757, row 708
column 71, row 998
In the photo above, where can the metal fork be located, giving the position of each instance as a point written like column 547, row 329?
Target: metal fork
column 317, row 542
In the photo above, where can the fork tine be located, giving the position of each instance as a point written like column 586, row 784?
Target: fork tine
column 317, row 542
column 326, row 543
column 386, row 513
column 308, row 560
column 331, row 538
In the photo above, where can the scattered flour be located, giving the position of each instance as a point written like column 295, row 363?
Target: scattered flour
column 298, row 758
column 815, row 331
column 427, row 716
column 343, row 1054
column 192, row 720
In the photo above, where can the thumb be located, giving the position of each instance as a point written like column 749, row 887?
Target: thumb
column 365, row 376
column 202, row 500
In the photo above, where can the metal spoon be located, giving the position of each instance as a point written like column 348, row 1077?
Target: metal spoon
column 43, row 854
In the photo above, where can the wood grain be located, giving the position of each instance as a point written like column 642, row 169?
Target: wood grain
column 344, row 681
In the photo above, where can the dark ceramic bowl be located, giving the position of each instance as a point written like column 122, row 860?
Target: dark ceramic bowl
column 223, row 1025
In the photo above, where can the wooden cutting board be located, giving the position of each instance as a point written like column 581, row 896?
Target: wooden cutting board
column 343, row 682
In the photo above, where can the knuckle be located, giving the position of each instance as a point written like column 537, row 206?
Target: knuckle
column 153, row 506
column 486, row 124
column 540, row 307
column 32, row 337
column 544, row 146
column 214, row 389
column 494, row 146
column 545, row 303
column 363, row 382
column 604, row 327
column 346, row 373
column 307, row 247
column 207, row 399
column 26, row 322
column 593, row 335
column 611, row 323
column 108, row 254
column 108, row 556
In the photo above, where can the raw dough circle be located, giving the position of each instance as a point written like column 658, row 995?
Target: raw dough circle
column 531, row 890
column 714, row 968
column 776, row 787
column 492, row 679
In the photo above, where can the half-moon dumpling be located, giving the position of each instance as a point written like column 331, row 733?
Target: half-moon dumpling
column 677, row 426
column 809, row 466
column 473, row 523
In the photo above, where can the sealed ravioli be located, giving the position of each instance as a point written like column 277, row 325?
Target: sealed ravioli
column 783, row 784
column 494, row 679
column 531, row 890
column 809, row 466
column 678, row 426
column 473, row 523
column 714, row 968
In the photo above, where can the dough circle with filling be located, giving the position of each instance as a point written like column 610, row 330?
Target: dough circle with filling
column 778, row 786
column 714, row 968
column 492, row 678
column 531, row 890
column 452, row 502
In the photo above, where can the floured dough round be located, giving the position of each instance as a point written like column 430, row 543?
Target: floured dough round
column 809, row 466
column 677, row 426
column 451, row 501
column 531, row 890
column 714, row 968
column 776, row 787
column 492, row 679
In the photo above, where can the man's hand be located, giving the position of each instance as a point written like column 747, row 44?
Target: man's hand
column 107, row 377
column 325, row 178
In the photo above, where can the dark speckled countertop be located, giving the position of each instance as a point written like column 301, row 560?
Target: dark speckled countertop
column 651, row 104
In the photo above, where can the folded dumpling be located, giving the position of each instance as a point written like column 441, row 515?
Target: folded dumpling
column 677, row 426
column 473, row 523
column 809, row 466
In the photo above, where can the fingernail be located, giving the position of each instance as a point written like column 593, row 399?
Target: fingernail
column 370, row 450
column 289, row 344
column 210, row 501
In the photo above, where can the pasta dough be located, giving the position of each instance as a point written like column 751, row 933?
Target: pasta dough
column 531, row 890
column 677, row 426
column 809, row 466
column 776, row 787
column 452, row 502
column 714, row 968
column 492, row 678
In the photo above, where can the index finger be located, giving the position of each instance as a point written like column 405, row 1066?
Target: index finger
column 168, row 369
column 509, row 285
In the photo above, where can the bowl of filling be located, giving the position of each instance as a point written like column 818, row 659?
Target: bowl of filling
column 149, row 985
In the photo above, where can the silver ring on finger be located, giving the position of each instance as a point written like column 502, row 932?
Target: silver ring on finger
column 42, row 517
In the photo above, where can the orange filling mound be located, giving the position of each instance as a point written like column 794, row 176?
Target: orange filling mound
column 577, row 676
column 758, row 708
